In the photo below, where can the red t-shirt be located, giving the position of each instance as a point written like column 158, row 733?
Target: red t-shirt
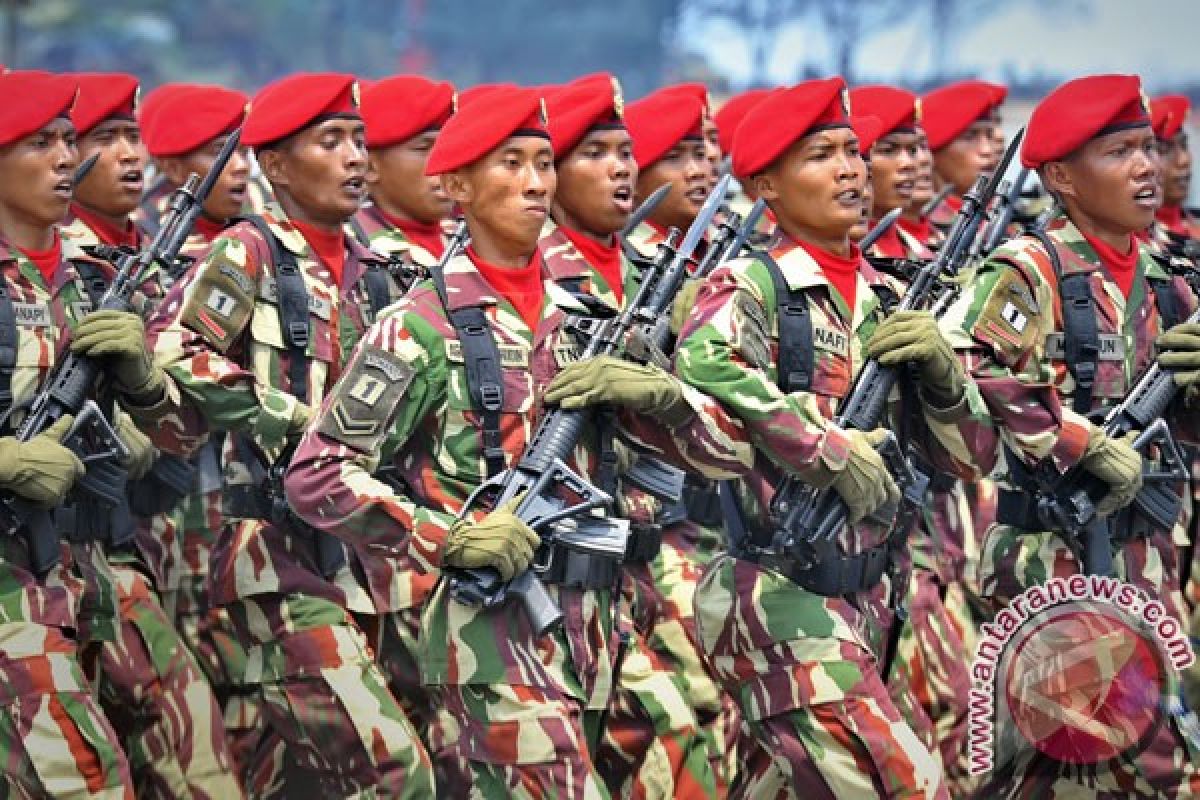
column 107, row 233
column 1172, row 218
column 840, row 271
column 522, row 287
column 330, row 247
column 207, row 228
column 606, row 258
column 889, row 244
column 1119, row 266
column 426, row 236
column 922, row 229
column 47, row 261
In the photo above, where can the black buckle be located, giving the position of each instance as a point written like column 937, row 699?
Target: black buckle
column 490, row 395
column 298, row 334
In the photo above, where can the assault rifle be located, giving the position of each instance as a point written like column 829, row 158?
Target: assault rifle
column 66, row 389
column 883, row 226
column 997, row 230
column 556, row 502
column 640, row 215
column 804, row 514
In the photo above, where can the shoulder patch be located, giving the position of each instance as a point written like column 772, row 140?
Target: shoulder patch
column 1008, row 317
column 366, row 399
column 750, row 322
column 220, row 303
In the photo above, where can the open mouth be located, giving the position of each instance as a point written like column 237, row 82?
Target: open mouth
column 64, row 188
column 132, row 179
column 237, row 192
column 623, row 198
column 1147, row 197
column 849, row 197
column 697, row 195
column 354, row 186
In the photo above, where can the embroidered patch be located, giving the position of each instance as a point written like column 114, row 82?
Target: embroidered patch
column 1007, row 320
column 831, row 340
column 750, row 322
column 317, row 306
column 1112, row 347
column 510, row 355
column 218, row 305
column 33, row 315
column 1013, row 316
column 366, row 399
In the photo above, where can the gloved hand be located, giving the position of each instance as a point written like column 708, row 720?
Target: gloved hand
column 913, row 336
column 866, row 484
column 1115, row 462
column 1179, row 351
column 499, row 540
column 685, row 298
column 301, row 416
column 119, row 339
column 615, row 381
column 40, row 470
column 141, row 452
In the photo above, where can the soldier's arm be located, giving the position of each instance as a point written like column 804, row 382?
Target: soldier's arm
column 1184, row 413
column 726, row 351
column 395, row 379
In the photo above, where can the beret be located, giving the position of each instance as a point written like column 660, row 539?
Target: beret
column 31, row 100
column 948, row 111
column 1168, row 114
column 103, row 95
column 896, row 109
column 291, row 104
column 398, row 108
column 1080, row 110
column 868, row 129
column 784, row 116
column 489, row 116
column 179, row 118
column 471, row 94
column 692, row 89
column 660, row 120
column 730, row 115
column 593, row 101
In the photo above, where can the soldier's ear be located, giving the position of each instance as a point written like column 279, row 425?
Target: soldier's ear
column 273, row 166
column 457, row 186
column 1057, row 178
column 766, row 185
column 174, row 169
column 372, row 168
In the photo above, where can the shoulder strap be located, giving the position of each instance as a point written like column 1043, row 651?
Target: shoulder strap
column 94, row 283
column 1081, row 337
column 376, row 280
column 485, row 381
column 1166, row 300
column 360, row 232
column 293, row 308
column 8, row 348
column 795, row 330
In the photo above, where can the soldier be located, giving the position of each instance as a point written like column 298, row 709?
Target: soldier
column 799, row 653
column 1170, row 114
column 960, row 121
column 915, row 220
column 727, row 119
column 403, row 115
column 149, row 684
column 708, row 127
column 527, row 708
column 54, row 740
column 257, row 332
column 1091, row 143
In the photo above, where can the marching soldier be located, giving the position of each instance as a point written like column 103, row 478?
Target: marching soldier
column 727, row 119
column 796, row 645
column 960, row 121
column 1170, row 114
column 247, row 344
column 915, row 219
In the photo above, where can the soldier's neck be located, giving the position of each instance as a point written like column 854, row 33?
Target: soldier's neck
column 1089, row 225
column 25, row 234
column 296, row 212
column 838, row 244
column 500, row 252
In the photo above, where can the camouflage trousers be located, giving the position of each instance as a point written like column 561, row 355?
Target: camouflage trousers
column 330, row 725
column 54, row 740
column 157, row 699
column 809, row 690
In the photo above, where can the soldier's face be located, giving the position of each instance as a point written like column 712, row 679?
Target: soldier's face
column 114, row 186
column 816, row 187
column 893, row 172
column 923, row 190
column 686, row 168
column 1110, row 184
column 1176, row 169
column 35, row 177
column 397, row 181
column 595, row 184
column 228, row 195
column 712, row 147
column 973, row 153
column 320, row 172
column 506, row 195
column 863, row 226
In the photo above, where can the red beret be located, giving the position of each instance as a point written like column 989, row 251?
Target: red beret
column 868, row 129
column 397, row 109
column 1168, row 114
column 1080, row 110
column 896, row 109
column 660, row 120
column 293, row 103
column 694, row 89
column 471, row 94
column 31, row 100
column 784, row 116
column 103, row 95
column 950, row 110
column 730, row 115
column 178, row 118
column 491, row 115
column 593, row 101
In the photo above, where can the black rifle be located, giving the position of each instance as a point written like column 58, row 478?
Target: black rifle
column 555, row 501
column 997, row 230
column 936, row 200
column 66, row 390
column 731, row 237
column 881, row 227
column 640, row 215
column 804, row 514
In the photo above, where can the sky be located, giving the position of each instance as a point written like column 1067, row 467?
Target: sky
column 1154, row 38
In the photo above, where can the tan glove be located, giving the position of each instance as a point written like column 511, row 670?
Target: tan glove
column 40, row 470
column 119, row 339
column 914, row 336
column 301, row 416
column 607, row 380
column 1179, row 351
column 1115, row 462
column 865, row 484
column 500, row 540
column 685, row 299
column 141, row 452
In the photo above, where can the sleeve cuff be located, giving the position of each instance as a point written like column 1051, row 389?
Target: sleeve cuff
column 1072, row 441
column 274, row 418
column 938, row 412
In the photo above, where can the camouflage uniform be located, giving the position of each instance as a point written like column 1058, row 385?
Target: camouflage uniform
column 802, row 666
column 1008, row 324
column 149, row 684
column 329, row 721
column 54, row 739
column 375, row 232
column 526, row 708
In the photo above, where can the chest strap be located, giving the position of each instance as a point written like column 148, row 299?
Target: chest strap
column 378, row 285
column 795, row 330
column 1081, row 336
column 293, row 308
column 1167, row 301
column 485, row 381
column 8, row 348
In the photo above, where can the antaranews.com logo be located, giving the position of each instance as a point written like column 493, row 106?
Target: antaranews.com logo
column 1078, row 668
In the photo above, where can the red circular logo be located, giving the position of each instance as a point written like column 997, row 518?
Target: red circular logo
column 1083, row 685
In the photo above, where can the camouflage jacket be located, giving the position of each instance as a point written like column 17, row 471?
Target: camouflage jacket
column 154, row 204
column 899, row 243
column 370, row 228
column 218, row 336
column 1008, row 326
